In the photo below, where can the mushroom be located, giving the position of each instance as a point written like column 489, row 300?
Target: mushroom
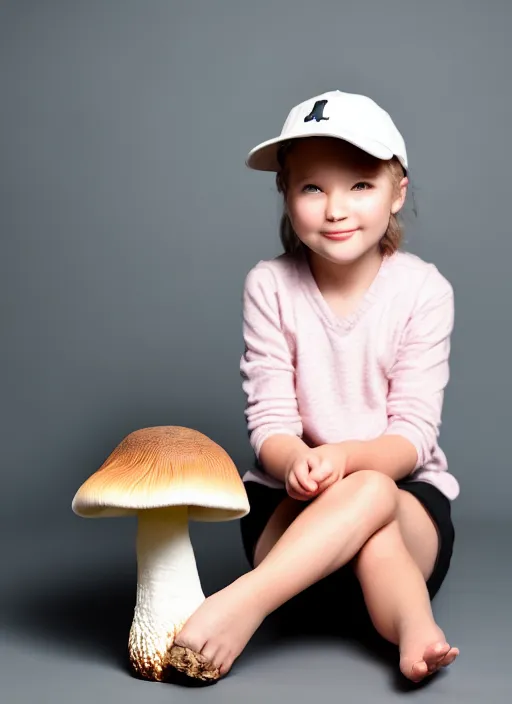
column 165, row 475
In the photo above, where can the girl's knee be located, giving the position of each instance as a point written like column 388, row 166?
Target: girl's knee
column 375, row 494
column 378, row 487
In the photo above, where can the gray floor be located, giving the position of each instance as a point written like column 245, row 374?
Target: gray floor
column 67, row 598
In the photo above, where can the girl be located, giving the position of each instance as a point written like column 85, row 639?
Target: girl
column 347, row 342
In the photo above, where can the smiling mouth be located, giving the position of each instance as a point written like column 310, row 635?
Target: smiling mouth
column 339, row 235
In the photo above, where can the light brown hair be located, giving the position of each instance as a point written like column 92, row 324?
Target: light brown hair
column 390, row 241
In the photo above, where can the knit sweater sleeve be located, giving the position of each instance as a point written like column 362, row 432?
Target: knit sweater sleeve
column 421, row 371
column 267, row 365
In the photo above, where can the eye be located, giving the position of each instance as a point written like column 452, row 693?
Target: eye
column 363, row 183
column 309, row 185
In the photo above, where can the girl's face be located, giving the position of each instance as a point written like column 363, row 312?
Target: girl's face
column 336, row 190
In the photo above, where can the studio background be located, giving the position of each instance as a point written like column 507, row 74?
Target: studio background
column 129, row 221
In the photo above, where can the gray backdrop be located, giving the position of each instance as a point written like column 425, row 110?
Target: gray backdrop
column 129, row 221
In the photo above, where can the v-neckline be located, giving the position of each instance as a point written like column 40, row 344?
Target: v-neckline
column 341, row 323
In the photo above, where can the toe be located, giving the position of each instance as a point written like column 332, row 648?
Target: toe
column 225, row 666
column 182, row 640
column 419, row 670
column 449, row 657
column 211, row 653
column 190, row 642
column 434, row 653
column 219, row 657
column 190, row 637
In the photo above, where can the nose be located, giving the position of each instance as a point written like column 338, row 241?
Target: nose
column 336, row 207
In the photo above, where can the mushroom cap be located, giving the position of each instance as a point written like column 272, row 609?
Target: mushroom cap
column 165, row 466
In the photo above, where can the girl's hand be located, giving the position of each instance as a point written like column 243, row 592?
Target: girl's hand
column 333, row 460
column 299, row 481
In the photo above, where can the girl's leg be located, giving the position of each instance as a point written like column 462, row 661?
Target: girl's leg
column 392, row 568
column 324, row 536
column 327, row 533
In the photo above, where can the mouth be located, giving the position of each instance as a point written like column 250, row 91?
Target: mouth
column 339, row 234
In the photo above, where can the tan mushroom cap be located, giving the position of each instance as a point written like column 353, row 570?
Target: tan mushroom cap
column 165, row 466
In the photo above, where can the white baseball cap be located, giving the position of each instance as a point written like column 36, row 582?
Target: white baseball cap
column 354, row 118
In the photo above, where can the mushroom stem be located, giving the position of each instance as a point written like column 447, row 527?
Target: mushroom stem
column 168, row 588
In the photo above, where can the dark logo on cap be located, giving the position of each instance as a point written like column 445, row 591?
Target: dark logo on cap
column 318, row 112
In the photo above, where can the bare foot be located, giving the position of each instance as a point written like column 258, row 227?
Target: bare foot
column 423, row 652
column 223, row 625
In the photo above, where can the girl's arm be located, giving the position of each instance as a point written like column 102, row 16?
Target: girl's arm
column 416, row 389
column 393, row 455
column 268, row 372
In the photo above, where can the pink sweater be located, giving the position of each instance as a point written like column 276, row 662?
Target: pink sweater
column 382, row 369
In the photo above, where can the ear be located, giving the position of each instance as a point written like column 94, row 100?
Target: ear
column 400, row 199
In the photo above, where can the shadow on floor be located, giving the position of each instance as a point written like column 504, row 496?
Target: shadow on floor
column 311, row 615
column 91, row 616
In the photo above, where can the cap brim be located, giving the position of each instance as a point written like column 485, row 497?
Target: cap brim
column 264, row 156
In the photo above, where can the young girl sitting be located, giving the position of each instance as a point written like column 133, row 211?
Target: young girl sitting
column 347, row 342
